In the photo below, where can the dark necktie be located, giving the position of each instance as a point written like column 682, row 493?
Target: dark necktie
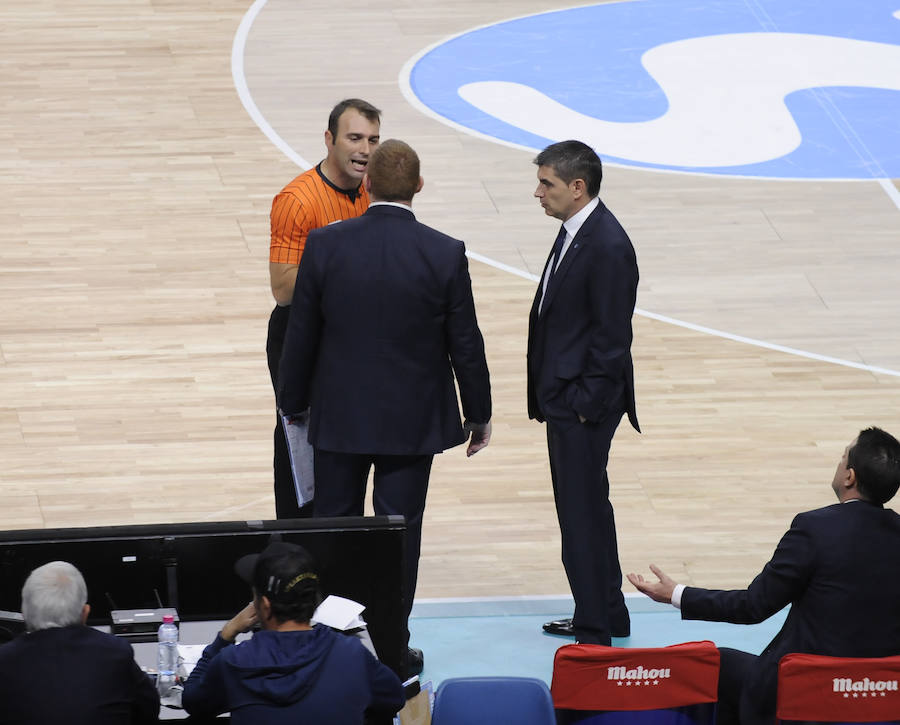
column 557, row 250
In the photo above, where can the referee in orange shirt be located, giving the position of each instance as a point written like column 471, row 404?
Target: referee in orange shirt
column 329, row 192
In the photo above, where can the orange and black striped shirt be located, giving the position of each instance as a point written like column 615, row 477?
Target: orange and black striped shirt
column 310, row 201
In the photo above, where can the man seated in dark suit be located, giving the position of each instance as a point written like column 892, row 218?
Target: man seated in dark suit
column 382, row 320
column 61, row 671
column 837, row 568
column 290, row 671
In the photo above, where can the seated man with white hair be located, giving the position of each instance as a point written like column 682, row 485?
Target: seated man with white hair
column 61, row 671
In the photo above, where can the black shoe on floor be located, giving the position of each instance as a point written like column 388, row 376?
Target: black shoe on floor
column 415, row 661
column 564, row 628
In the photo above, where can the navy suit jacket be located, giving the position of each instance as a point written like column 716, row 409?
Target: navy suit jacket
column 837, row 568
column 74, row 675
column 579, row 345
column 382, row 318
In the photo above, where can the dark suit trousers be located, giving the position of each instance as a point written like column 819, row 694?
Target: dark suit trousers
column 578, row 456
column 735, row 669
column 285, row 495
column 400, row 486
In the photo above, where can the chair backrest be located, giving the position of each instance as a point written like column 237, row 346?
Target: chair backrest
column 838, row 689
column 594, row 683
column 493, row 701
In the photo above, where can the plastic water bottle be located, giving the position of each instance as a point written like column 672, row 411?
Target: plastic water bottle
column 167, row 660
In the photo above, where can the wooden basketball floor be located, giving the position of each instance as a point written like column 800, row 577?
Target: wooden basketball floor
column 133, row 383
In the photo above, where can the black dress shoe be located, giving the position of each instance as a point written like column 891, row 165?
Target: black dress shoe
column 415, row 661
column 560, row 626
column 564, row 627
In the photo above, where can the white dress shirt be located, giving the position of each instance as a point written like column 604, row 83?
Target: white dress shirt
column 572, row 225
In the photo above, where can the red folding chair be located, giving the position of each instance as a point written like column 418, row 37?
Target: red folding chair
column 614, row 685
column 838, row 689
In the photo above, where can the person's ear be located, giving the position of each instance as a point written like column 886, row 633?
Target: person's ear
column 578, row 188
column 263, row 608
column 850, row 480
column 85, row 611
column 329, row 138
column 367, row 184
column 420, row 185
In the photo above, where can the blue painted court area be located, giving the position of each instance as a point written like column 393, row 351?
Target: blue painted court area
column 504, row 637
column 806, row 89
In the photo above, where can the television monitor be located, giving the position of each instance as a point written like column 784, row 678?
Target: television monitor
column 191, row 567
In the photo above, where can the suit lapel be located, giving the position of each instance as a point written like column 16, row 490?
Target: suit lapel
column 559, row 276
column 578, row 243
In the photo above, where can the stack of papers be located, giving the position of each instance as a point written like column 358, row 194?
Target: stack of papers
column 339, row 613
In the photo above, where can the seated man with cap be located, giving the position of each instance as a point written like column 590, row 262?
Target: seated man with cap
column 290, row 671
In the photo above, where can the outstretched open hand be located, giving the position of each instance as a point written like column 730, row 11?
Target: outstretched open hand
column 658, row 591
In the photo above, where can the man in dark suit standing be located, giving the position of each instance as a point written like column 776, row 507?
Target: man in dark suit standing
column 836, row 567
column 581, row 379
column 61, row 671
column 381, row 320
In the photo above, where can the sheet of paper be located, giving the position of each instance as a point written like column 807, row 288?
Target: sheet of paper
column 188, row 657
column 190, row 653
column 339, row 613
column 301, row 455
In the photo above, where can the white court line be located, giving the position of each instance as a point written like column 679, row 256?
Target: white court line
column 222, row 513
column 710, row 330
column 240, row 82
column 891, row 190
column 524, row 605
column 767, row 345
column 499, row 265
column 240, row 85
column 842, row 125
column 515, row 598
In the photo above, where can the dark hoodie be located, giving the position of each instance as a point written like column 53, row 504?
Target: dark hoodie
column 315, row 676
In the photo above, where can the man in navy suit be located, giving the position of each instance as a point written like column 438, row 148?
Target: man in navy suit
column 581, row 379
column 381, row 320
column 837, row 568
column 61, row 671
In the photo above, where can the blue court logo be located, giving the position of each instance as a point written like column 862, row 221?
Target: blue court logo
column 767, row 88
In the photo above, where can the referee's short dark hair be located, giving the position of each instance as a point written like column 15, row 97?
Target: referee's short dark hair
column 368, row 111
